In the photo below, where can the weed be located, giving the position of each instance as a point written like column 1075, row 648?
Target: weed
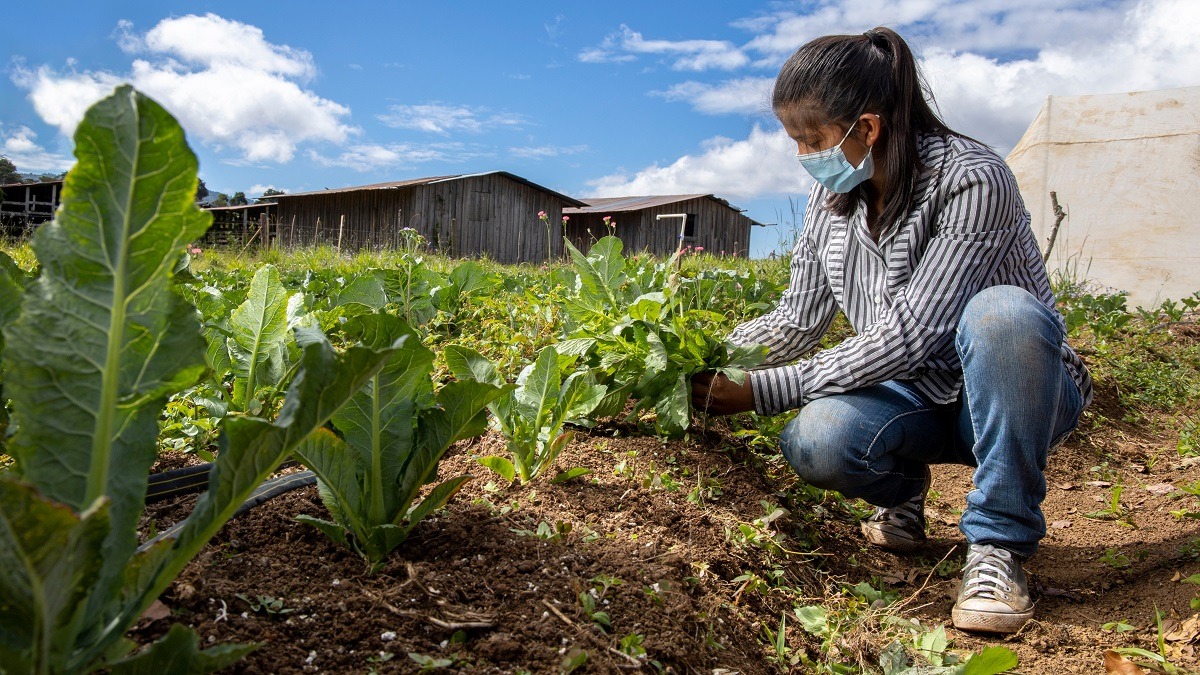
column 266, row 604
column 1114, row 510
column 1114, row 558
column 758, row 534
column 556, row 532
column 428, row 663
column 1118, row 626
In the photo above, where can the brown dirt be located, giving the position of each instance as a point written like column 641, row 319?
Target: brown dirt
column 472, row 586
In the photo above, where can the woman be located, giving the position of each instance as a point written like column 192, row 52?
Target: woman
column 919, row 235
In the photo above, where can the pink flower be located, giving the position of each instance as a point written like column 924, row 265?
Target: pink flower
column 606, row 219
column 699, row 249
column 566, row 218
column 195, row 251
column 542, row 215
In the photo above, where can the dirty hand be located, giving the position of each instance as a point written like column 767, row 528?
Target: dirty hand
column 716, row 394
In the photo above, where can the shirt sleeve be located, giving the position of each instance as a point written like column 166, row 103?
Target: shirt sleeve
column 974, row 231
column 805, row 309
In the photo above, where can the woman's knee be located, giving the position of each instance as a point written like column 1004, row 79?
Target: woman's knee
column 1007, row 315
column 818, row 444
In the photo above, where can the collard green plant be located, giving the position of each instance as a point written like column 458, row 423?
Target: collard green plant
column 393, row 433
column 646, row 343
column 533, row 415
column 100, row 343
column 12, row 286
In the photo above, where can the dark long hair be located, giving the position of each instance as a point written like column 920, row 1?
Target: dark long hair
column 836, row 78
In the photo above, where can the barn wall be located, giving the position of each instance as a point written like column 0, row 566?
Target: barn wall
column 489, row 215
column 718, row 228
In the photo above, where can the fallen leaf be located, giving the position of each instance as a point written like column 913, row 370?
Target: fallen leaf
column 1140, row 468
column 1098, row 483
column 1162, row 489
column 1064, row 486
column 1115, row 664
column 1060, row 524
column 1072, row 510
column 156, row 611
column 1188, row 631
column 1177, row 576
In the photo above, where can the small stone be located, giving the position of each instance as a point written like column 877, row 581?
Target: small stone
column 388, row 636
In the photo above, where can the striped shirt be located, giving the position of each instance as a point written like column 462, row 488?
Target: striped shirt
column 967, row 230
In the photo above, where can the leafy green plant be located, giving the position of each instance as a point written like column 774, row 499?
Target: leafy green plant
column 533, row 415
column 266, row 604
column 394, row 432
column 101, row 341
column 645, row 337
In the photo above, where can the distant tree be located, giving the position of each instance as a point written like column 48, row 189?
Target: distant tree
column 8, row 171
column 268, row 193
column 221, row 200
column 46, row 177
column 201, row 191
column 238, row 199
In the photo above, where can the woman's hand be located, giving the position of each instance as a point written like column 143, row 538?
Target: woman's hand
column 716, row 394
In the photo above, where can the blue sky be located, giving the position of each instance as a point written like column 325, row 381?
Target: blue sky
column 590, row 99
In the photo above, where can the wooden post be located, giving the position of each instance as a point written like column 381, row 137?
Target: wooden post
column 264, row 225
column 453, row 237
column 341, row 226
column 292, row 232
column 245, row 229
column 316, row 231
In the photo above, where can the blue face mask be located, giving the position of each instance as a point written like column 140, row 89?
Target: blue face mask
column 831, row 168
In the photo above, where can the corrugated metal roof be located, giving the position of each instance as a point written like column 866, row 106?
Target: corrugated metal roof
column 428, row 181
column 57, row 181
column 626, row 204
column 238, row 207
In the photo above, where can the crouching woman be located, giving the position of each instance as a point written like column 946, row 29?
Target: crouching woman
column 919, row 235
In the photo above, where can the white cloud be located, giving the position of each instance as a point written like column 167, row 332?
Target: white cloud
column 258, row 188
column 750, row 95
column 225, row 83
column 763, row 163
column 440, row 118
column 21, row 148
column 623, row 45
column 546, row 151
column 989, row 97
column 995, row 101
column 375, row 157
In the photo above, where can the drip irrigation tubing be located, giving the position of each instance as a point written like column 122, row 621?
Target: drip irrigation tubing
column 196, row 478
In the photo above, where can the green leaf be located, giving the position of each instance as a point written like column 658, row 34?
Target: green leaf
column 569, row 474
column 813, row 619
column 538, row 388
column 340, row 479
column 499, row 465
column 332, row 530
column 179, row 652
column 50, row 558
column 259, row 337
column 673, row 409
column 103, row 339
column 467, row 364
column 435, row 500
column 366, row 290
column 251, row 449
column 991, row 661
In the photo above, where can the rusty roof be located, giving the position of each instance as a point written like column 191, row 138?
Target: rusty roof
column 394, row 185
column 239, row 207
column 56, row 181
column 626, row 204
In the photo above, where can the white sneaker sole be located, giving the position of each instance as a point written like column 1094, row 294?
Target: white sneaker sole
column 891, row 541
column 989, row 622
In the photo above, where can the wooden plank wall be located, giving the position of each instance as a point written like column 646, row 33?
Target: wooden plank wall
column 476, row 216
column 719, row 229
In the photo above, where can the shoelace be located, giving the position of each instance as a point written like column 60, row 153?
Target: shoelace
column 990, row 571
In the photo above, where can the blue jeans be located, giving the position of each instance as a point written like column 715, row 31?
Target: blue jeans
column 1018, row 401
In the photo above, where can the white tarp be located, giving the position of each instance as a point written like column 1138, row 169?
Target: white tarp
column 1126, row 169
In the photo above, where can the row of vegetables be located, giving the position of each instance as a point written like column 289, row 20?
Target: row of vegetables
column 363, row 378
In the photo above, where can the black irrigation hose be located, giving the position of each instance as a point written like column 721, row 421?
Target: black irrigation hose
column 183, row 481
column 270, row 489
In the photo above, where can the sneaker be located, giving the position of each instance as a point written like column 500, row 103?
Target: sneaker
column 994, row 595
column 900, row 528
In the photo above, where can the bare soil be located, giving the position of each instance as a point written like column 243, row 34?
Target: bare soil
column 476, row 590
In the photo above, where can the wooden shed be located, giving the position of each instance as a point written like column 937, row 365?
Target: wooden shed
column 237, row 225
column 25, row 205
column 491, row 214
column 711, row 222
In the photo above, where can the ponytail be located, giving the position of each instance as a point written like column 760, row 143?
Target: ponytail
column 836, row 78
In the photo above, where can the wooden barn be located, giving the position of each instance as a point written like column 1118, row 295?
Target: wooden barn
column 27, row 204
column 491, row 214
column 237, row 225
column 711, row 223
